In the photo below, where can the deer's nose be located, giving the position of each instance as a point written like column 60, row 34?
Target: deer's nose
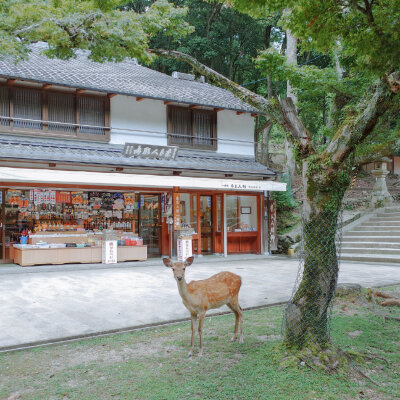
column 179, row 278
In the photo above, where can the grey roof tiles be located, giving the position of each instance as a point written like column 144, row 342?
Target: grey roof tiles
column 19, row 148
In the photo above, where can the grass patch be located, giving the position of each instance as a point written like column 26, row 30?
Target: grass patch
column 152, row 364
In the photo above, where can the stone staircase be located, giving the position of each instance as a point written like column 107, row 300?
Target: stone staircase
column 374, row 239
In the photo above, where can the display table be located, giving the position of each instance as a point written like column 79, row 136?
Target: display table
column 71, row 255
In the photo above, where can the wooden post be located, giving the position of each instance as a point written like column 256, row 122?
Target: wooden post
column 259, row 225
column 198, row 225
column 3, row 224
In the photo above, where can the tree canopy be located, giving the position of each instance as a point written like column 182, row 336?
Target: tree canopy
column 107, row 28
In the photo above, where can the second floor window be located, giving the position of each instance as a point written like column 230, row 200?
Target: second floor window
column 192, row 127
column 26, row 110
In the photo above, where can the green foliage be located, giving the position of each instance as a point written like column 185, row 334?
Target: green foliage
column 285, row 200
column 372, row 47
column 223, row 39
column 108, row 30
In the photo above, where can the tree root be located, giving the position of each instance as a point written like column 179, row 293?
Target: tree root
column 389, row 317
column 331, row 360
column 377, row 293
column 391, row 302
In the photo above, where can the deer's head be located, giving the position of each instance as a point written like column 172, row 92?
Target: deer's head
column 178, row 267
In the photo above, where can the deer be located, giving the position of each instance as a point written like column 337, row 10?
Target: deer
column 203, row 295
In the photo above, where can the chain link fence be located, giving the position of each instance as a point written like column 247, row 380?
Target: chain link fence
column 308, row 312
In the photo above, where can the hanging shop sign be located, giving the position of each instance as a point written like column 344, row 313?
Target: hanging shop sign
column 273, row 231
column 177, row 211
column 136, row 150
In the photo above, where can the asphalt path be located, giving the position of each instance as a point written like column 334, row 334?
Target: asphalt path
column 48, row 304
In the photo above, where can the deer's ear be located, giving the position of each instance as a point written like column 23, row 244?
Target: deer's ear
column 189, row 261
column 167, row 262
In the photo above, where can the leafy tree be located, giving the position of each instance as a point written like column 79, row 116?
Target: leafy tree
column 105, row 27
column 360, row 91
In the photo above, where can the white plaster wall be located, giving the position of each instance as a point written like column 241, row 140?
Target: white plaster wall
column 233, row 126
column 145, row 116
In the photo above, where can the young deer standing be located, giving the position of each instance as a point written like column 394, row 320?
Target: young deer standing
column 200, row 296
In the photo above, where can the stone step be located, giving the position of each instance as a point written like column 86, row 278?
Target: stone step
column 362, row 228
column 380, row 224
column 370, row 245
column 380, row 239
column 372, row 252
column 370, row 258
column 373, row 233
column 392, row 210
column 383, row 219
column 387, row 215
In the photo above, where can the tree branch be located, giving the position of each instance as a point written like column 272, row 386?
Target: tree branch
column 354, row 132
column 281, row 112
column 247, row 96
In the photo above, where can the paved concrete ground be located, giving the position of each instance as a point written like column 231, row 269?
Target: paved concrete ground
column 53, row 302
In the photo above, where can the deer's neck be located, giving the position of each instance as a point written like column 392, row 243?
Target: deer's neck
column 182, row 287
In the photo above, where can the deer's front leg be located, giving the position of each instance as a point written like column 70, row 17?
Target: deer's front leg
column 193, row 318
column 201, row 320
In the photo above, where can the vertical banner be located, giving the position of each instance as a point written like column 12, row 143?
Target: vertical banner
column 176, row 199
column 273, row 230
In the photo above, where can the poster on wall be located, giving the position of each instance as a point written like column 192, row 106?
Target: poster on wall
column 273, row 229
column 63, row 197
column 176, row 199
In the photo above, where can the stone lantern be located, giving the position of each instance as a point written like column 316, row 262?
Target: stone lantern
column 380, row 195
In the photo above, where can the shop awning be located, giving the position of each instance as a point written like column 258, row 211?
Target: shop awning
column 107, row 179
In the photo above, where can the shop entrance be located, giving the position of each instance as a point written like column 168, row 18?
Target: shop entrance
column 150, row 223
column 206, row 222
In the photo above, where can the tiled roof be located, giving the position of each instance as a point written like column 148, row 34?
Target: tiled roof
column 56, row 150
column 127, row 77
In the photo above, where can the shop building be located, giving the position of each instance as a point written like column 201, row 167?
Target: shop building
column 89, row 150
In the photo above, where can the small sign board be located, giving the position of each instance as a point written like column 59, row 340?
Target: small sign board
column 137, row 150
column 109, row 251
column 184, row 250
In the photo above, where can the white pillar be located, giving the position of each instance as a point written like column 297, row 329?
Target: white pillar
column 225, row 229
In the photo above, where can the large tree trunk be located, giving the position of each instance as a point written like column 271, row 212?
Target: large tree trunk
column 307, row 314
column 291, row 55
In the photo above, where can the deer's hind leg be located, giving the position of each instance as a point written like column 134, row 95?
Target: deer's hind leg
column 235, row 307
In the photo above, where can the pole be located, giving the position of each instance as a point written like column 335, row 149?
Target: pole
column 225, row 229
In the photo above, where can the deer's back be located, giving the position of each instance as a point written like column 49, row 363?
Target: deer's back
column 215, row 291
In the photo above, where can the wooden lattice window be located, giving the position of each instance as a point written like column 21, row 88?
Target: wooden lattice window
column 62, row 109
column 27, row 105
column 192, row 127
column 56, row 113
column 92, row 114
column 4, row 106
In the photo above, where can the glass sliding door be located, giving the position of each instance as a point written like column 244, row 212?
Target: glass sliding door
column 150, row 223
